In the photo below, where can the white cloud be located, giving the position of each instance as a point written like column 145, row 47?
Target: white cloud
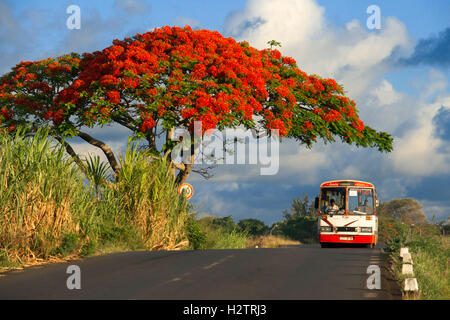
column 385, row 94
column 231, row 186
column 351, row 54
column 437, row 83
column 288, row 21
column 186, row 21
column 437, row 209
column 131, row 6
column 418, row 150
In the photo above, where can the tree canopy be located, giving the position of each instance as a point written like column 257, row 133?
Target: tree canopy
column 406, row 210
column 253, row 227
column 170, row 77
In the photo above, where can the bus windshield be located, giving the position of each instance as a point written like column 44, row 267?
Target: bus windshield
column 360, row 201
column 336, row 194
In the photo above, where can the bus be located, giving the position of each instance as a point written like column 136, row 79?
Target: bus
column 347, row 213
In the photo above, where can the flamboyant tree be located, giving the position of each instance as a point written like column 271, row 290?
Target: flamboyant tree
column 170, row 77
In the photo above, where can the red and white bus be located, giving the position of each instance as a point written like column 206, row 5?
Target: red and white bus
column 347, row 213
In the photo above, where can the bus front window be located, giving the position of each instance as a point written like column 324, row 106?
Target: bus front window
column 336, row 194
column 360, row 201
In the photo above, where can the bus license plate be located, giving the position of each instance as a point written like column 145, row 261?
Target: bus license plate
column 346, row 238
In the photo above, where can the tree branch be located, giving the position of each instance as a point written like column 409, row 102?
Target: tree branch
column 71, row 152
column 124, row 122
column 106, row 150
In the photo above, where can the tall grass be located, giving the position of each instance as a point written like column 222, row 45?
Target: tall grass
column 431, row 256
column 47, row 211
column 38, row 187
column 151, row 200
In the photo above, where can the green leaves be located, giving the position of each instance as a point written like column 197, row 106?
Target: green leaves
column 273, row 43
column 96, row 172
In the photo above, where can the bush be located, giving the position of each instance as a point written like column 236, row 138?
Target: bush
column 196, row 236
column 300, row 228
column 89, row 248
column 232, row 240
column 253, row 227
column 222, row 233
column 69, row 244
column 393, row 233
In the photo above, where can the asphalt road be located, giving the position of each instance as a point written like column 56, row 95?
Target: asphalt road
column 297, row 272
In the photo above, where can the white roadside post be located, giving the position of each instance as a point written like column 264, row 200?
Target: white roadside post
column 411, row 287
column 403, row 251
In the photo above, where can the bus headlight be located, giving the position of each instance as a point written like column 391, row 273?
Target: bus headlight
column 366, row 229
column 326, row 229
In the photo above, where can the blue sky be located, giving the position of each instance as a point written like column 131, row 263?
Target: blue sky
column 398, row 76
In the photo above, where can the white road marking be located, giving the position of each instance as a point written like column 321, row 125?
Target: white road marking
column 217, row 262
column 211, row 265
column 175, row 279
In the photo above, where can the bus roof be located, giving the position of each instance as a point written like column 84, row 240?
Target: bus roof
column 347, row 183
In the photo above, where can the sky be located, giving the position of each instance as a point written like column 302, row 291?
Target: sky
column 398, row 75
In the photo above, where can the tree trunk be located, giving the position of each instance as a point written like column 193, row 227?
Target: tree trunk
column 71, row 152
column 151, row 142
column 183, row 175
column 168, row 151
column 106, row 150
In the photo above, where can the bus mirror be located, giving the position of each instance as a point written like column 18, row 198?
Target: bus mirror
column 316, row 203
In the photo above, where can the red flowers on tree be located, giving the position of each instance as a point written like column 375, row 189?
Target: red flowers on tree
column 171, row 77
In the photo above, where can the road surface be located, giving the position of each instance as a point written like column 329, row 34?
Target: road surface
column 296, row 272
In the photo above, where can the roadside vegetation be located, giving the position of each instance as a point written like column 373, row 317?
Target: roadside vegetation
column 299, row 225
column 216, row 233
column 403, row 224
column 223, row 233
column 270, row 242
column 50, row 209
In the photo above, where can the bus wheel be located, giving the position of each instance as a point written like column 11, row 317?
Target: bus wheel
column 324, row 245
column 371, row 245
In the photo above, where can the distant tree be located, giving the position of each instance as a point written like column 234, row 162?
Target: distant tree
column 407, row 210
column 299, row 208
column 227, row 224
column 253, row 227
column 299, row 223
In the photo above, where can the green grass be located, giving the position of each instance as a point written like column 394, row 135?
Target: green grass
column 206, row 233
column 233, row 240
column 431, row 255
